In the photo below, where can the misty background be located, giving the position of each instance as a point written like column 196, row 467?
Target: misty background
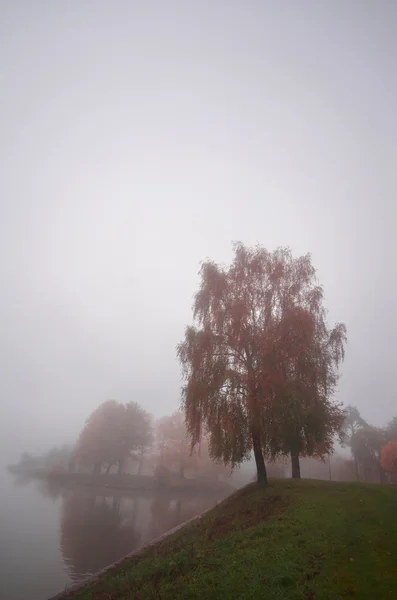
column 139, row 138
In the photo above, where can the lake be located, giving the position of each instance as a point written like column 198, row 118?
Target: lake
column 51, row 536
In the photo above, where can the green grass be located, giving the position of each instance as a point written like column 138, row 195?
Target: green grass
column 304, row 539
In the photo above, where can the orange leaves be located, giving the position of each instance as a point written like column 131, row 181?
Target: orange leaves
column 388, row 457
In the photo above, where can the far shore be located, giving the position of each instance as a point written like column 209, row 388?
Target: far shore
column 128, row 482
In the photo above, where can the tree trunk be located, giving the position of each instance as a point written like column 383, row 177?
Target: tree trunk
column 260, row 462
column 182, row 471
column 296, row 468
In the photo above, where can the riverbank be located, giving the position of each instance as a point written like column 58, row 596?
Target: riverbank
column 296, row 539
column 128, row 482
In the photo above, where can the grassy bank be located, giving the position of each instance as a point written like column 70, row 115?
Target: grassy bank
column 295, row 540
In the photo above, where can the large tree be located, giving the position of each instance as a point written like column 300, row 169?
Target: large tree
column 259, row 347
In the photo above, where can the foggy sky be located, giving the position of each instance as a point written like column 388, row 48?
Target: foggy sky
column 139, row 138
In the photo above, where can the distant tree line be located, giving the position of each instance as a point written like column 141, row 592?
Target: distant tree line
column 116, row 436
column 56, row 456
column 165, row 447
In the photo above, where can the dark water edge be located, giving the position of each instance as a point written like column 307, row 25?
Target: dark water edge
column 65, row 594
column 126, row 481
column 55, row 534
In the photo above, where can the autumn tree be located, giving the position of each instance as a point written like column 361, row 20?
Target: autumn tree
column 259, row 348
column 173, row 443
column 112, row 433
column 98, row 441
column 388, row 458
column 139, row 434
column 305, row 419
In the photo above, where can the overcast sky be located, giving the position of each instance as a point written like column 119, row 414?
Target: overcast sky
column 139, row 138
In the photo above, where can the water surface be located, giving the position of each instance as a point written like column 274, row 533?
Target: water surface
column 51, row 536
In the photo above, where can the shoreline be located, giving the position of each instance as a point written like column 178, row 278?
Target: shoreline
column 76, row 587
column 128, row 482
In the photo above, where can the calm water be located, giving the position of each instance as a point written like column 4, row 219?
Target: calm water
column 51, row 537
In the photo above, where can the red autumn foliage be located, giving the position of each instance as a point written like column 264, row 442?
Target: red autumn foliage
column 260, row 363
column 388, row 458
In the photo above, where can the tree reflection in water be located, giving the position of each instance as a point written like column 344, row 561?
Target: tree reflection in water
column 100, row 526
column 96, row 530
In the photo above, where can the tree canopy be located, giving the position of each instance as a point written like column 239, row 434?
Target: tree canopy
column 112, row 433
column 260, row 363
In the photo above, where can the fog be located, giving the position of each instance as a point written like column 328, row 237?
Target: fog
column 139, row 138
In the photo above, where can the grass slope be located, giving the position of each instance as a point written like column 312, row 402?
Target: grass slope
column 304, row 539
